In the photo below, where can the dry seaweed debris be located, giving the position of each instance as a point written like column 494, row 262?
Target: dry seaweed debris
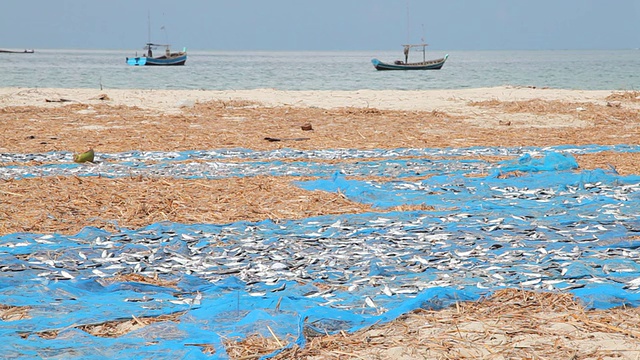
column 622, row 163
column 138, row 278
column 510, row 324
column 14, row 313
column 633, row 96
column 255, row 346
column 209, row 125
column 68, row 204
column 112, row 328
column 539, row 106
column 237, row 124
column 586, row 110
column 511, row 174
column 224, row 104
column 117, row 328
column 606, row 124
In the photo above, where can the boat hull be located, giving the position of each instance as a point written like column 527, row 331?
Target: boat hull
column 179, row 59
column 137, row 61
column 27, row 51
column 426, row 65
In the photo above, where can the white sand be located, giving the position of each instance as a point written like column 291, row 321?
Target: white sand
column 453, row 102
column 426, row 100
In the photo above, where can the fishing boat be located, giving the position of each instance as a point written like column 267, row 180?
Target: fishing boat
column 167, row 58
column 435, row 64
column 26, row 51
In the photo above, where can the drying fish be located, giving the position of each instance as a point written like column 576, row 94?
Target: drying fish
column 370, row 302
column 483, row 233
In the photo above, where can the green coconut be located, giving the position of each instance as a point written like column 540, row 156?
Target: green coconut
column 86, row 156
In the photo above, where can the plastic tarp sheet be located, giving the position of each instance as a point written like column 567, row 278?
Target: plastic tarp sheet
column 537, row 222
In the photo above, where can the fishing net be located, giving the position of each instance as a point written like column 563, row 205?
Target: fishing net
column 537, row 222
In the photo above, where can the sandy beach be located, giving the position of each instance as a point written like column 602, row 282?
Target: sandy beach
column 170, row 101
column 34, row 121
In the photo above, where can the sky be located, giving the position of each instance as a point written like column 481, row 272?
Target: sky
column 304, row 25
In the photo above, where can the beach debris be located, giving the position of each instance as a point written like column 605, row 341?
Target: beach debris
column 88, row 110
column 86, row 156
column 58, row 100
column 272, row 139
column 14, row 313
column 186, row 103
column 104, row 97
column 306, row 127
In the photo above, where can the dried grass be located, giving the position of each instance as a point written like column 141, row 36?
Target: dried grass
column 67, row 204
column 510, row 174
column 255, row 346
column 594, row 113
column 623, row 163
column 510, row 324
column 117, row 328
column 112, row 328
column 14, row 313
column 632, row 96
column 137, row 278
column 207, row 125
column 216, row 124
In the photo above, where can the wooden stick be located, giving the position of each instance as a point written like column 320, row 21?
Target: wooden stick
column 275, row 337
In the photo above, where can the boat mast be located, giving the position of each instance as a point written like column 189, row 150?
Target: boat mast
column 408, row 25
column 424, row 47
column 407, row 49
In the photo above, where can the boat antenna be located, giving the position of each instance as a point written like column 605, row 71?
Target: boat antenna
column 408, row 24
column 163, row 28
column 166, row 36
column 149, row 26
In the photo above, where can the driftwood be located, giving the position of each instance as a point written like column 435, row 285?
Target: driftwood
column 285, row 139
column 58, row 100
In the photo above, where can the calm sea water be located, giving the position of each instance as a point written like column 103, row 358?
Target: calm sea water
column 339, row 70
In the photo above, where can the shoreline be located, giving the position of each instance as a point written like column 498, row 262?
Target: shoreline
column 409, row 100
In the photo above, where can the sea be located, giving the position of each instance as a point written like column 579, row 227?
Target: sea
column 324, row 70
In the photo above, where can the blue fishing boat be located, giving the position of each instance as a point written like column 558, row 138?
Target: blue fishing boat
column 435, row 64
column 167, row 58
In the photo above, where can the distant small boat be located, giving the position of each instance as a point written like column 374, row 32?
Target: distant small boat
column 425, row 64
column 168, row 58
column 26, row 51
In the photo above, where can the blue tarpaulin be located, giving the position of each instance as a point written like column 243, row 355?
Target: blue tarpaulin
column 536, row 222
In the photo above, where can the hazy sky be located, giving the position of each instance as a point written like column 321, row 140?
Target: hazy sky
column 321, row 25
